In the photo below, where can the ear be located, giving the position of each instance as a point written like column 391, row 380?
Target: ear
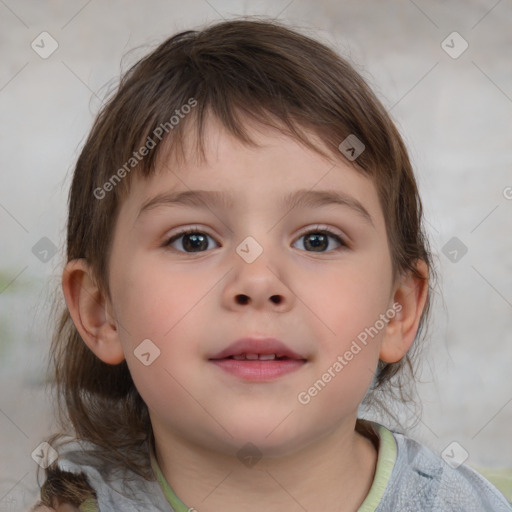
column 91, row 312
column 409, row 298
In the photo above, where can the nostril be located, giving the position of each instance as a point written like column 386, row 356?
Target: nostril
column 242, row 299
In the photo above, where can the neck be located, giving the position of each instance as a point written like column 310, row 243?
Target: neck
column 332, row 474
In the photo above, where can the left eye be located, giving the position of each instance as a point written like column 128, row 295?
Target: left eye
column 319, row 241
column 190, row 241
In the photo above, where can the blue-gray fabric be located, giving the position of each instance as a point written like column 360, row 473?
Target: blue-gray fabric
column 420, row 481
column 116, row 490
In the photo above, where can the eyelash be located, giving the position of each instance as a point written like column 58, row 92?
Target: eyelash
column 319, row 229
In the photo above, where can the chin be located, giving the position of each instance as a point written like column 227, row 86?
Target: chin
column 268, row 438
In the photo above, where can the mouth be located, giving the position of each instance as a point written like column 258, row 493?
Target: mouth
column 254, row 359
column 257, row 357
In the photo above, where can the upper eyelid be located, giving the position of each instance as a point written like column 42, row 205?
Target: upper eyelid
column 320, row 227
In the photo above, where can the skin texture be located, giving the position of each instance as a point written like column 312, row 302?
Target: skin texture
column 187, row 305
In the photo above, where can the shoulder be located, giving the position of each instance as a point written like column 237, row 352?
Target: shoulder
column 423, row 479
column 114, row 486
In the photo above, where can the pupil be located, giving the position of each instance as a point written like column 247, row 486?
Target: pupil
column 315, row 241
column 195, row 241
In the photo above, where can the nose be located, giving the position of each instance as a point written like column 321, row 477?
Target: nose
column 259, row 285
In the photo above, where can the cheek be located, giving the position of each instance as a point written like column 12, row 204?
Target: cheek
column 347, row 298
column 349, row 337
column 347, row 305
column 153, row 299
column 169, row 312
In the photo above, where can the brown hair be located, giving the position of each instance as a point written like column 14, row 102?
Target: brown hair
column 236, row 70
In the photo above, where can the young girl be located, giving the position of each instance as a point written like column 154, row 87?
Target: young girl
column 246, row 264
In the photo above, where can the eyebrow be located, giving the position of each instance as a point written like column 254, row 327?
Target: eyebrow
column 209, row 199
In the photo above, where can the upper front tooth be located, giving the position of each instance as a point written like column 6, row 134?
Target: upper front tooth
column 254, row 357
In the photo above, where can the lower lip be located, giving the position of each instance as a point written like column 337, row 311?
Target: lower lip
column 258, row 370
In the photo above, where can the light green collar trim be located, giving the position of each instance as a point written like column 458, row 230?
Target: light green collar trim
column 175, row 502
column 385, row 463
column 89, row 505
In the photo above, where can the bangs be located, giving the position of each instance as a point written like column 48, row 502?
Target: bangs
column 165, row 139
column 300, row 90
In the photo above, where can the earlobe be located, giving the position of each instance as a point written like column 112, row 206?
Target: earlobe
column 409, row 301
column 88, row 308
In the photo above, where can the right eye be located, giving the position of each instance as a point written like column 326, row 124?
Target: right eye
column 189, row 240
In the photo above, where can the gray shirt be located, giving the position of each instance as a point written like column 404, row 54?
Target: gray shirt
column 409, row 478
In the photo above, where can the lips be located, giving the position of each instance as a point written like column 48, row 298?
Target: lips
column 258, row 360
column 252, row 349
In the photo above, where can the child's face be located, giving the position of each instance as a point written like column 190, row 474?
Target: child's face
column 193, row 305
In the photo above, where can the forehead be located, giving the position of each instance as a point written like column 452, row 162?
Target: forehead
column 238, row 174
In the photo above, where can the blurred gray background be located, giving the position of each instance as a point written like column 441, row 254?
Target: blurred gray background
column 452, row 104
